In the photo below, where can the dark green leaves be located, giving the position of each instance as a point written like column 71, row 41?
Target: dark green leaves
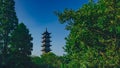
column 94, row 34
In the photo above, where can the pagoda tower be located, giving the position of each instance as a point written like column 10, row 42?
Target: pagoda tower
column 46, row 42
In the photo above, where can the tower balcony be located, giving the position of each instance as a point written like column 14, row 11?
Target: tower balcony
column 44, row 45
column 46, row 41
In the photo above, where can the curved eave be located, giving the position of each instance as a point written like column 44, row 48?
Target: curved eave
column 46, row 45
column 46, row 37
column 46, row 41
column 46, row 50
column 46, row 33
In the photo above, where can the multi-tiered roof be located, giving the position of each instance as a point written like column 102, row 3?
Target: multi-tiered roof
column 46, row 42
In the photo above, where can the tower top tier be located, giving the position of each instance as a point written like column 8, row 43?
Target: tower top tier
column 46, row 32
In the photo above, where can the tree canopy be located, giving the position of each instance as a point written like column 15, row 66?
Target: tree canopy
column 8, row 22
column 21, row 47
column 94, row 34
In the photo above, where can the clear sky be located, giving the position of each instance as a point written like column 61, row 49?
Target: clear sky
column 39, row 14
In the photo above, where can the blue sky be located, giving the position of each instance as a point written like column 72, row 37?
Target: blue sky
column 39, row 14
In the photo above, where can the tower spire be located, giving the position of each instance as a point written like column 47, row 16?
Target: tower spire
column 46, row 29
column 46, row 42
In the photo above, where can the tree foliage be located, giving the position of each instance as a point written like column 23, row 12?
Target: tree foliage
column 8, row 22
column 94, row 34
column 47, row 60
column 21, row 47
column 15, row 40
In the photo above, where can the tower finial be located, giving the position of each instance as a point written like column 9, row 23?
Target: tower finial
column 46, row 29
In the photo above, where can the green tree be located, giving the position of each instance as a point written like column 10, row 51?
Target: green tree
column 47, row 60
column 21, row 47
column 0, row 35
column 8, row 22
column 50, row 60
column 37, row 62
column 94, row 34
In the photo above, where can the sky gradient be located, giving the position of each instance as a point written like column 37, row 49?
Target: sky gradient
column 39, row 15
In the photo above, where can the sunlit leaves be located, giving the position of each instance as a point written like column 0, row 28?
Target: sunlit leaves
column 96, row 25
